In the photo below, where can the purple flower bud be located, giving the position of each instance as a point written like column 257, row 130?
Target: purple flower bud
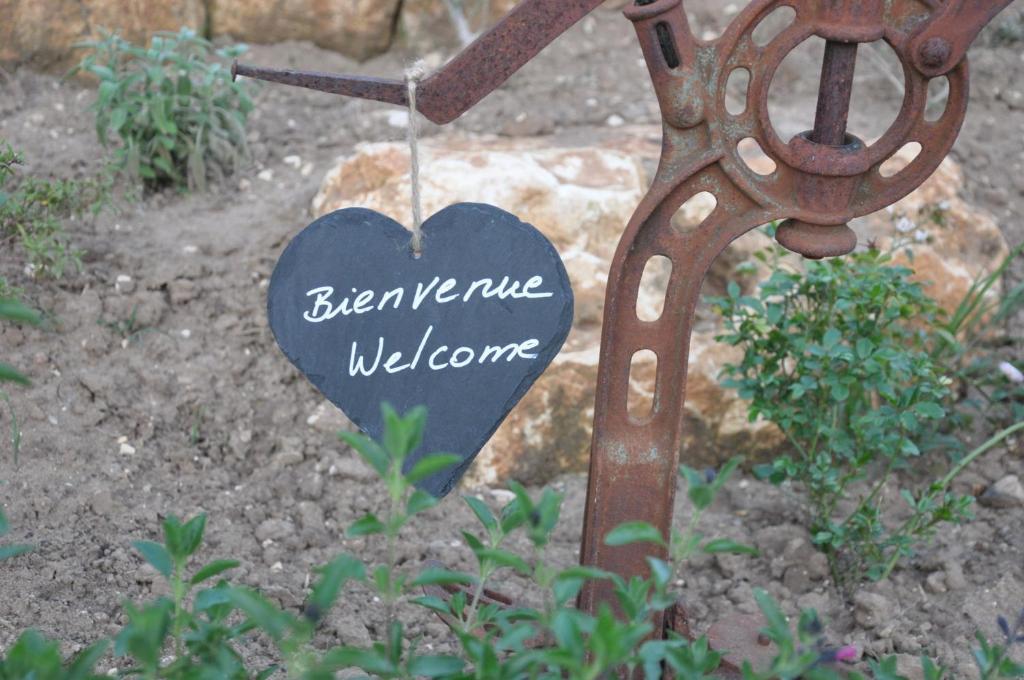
column 847, row 654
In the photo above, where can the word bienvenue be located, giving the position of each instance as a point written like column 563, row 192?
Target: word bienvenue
column 438, row 292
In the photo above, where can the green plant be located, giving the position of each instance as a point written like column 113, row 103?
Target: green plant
column 33, row 211
column 837, row 357
column 12, row 310
column 9, row 551
column 202, row 632
column 174, row 106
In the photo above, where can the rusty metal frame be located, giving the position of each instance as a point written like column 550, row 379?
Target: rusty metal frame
column 823, row 178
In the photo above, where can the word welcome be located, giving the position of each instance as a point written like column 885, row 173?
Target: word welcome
column 440, row 292
column 439, row 358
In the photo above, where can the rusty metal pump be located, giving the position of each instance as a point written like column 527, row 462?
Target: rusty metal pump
column 824, row 178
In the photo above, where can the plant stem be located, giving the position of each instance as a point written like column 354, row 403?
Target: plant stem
column 179, row 598
column 912, row 522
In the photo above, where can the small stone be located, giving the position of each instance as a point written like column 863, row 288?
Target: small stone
column 127, row 449
column 293, row 161
column 286, row 458
column 614, row 120
column 146, row 573
column 312, row 486
column 182, row 291
column 955, row 579
column 503, row 496
column 124, row 284
column 311, row 516
column 102, row 503
column 266, row 175
column 349, row 629
column 327, row 417
column 352, row 468
column 871, row 609
column 936, row 582
column 274, row 530
column 909, row 666
column 1006, row 493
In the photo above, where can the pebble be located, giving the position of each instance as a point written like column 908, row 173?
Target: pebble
column 266, row 175
column 181, row 291
column 872, row 610
column 124, row 284
column 311, row 516
column 312, row 486
column 1006, row 493
column 936, row 582
column 909, row 666
column 614, row 120
column 955, row 579
column 274, row 529
column 353, row 468
column 127, row 449
column 102, row 503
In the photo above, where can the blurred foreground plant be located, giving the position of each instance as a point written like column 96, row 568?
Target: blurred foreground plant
column 201, row 631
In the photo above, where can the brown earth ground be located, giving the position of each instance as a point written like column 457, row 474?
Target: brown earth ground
column 199, row 411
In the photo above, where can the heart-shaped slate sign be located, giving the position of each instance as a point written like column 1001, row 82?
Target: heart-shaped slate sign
column 464, row 329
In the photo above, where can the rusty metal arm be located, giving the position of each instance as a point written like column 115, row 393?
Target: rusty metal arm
column 469, row 77
column 943, row 42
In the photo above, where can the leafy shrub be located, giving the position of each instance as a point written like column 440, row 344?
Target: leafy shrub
column 33, row 211
column 178, row 114
column 201, row 629
column 839, row 358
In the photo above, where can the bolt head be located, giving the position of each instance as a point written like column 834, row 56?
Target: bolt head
column 935, row 52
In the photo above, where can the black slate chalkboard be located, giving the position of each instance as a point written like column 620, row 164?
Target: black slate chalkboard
column 464, row 329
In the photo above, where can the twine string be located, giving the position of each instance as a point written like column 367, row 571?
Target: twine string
column 413, row 75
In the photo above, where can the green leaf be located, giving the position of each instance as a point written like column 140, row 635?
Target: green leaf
column 84, row 663
column 435, row 666
column 503, row 558
column 261, row 613
column 701, row 496
column 156, row 555
column 213, row 569
column 928, row 409
column 435, row 576
column 12, row 310
column 482, row 512
column 366, row 526
column 433, row 603
column 8, row 374
column 831, row 338
column 727, row 545
column 419, row 501
column 9, row 551
column 332, row 577
column 431, row 465
column 634, row 532
column 371, row 451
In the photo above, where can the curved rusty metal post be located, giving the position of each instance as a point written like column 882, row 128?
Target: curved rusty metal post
column 822, row 179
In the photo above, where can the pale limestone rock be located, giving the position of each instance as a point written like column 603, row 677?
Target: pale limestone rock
column 42, row 32
column 355, row 28
column 581, row 198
